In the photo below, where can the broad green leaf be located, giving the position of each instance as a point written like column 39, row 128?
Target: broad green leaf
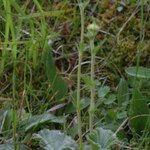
column 103, row 91
column 71, row 108
column 58, row 85
column 122, row 93
column 140, row 72
column 3, row 115
column 5, row 119
column 110, row 99
column 139, row 112
column 101, row 139
column 110, row 116
column 122, row 115
column 38, row 120
column 10, row 146
column 73, row 131
column 55, row 140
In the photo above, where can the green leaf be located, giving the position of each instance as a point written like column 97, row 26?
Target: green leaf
column 140, row 72
column 122, row 93
column 81, row 47
column 139, row 112
column 71, row 108
column 101, row 139
column 55, row 140
column 111, row 98
column 87, row 80
column 10, row 146
column 103, row 91
column 73, row 130
column 5, row 119
column 110, row 116
column 58, row 85
column 38, row 120
column 122, row 115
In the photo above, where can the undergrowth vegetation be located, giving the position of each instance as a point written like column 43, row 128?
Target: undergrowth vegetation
column 74, row 75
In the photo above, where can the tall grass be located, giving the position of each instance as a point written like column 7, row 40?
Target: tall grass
column 7, row 32
column 10, row 33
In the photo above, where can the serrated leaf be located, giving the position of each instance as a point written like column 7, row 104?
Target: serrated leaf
column 71, row 108
column 87, row 80
column 122, row 93
column 139, row 112
column 103, row 91
column 81, row 47
column 110, row 99
column 122, row 115
column 55, row 140
column 111, row 116
column 59, row 87
column 37, row 120
column 140, row 72
column 101, row 139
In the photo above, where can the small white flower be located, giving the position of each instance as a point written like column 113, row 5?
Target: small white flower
column 92, row 30
column 93, row 27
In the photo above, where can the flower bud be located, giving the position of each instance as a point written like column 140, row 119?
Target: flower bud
column 92, row 30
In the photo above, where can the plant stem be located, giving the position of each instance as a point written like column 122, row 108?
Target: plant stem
column 82, row 25
column 78, row 102
column 80, row 53
column 92, row 102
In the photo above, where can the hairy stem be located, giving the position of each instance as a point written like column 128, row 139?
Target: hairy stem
column 78, row 102
column 79, row 79
column 92, row 102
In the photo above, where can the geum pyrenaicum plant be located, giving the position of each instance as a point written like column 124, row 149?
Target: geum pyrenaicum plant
column 32, row 90
column 82, row 6
column 92, row 32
